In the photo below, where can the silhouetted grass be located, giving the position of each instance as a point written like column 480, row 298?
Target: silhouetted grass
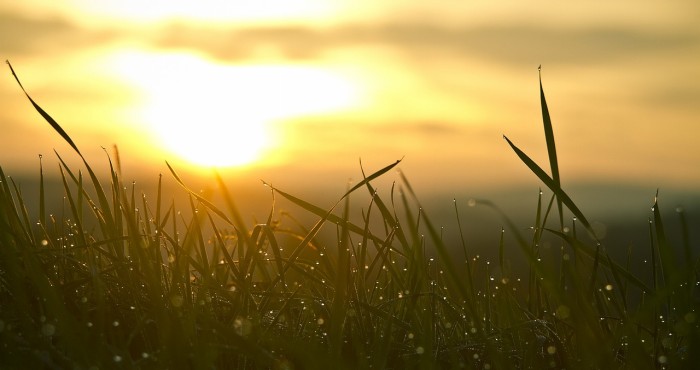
column 122, row 281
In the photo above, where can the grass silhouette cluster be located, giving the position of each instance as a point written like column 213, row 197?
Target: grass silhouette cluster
column 120, row 281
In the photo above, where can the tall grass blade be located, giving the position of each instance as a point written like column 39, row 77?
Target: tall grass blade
column 553, row 186
column 328, row 215
column 685, row 237
column 199, row 198
column 463, row 241
column 43, row 113
column 98, row 188
column 42, row 195
column 231, row 204
column 390, row 219
column 592, row 253
column 339, row 303
column 551, row 147
column 669, row 267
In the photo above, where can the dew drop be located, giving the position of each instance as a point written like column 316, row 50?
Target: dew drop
column 562, row 312
column 44, row 242
column 609, row 287
column 242, row 326
column 689, row 318
column 48, row 330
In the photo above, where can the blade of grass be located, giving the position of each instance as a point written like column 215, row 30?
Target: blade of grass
column 328, row 215
column 43, row 113
column 42, row 194
column 98, row 188
column 591, row 252
column 469, row 275
column 552, row 185
column 551, row 147
column 339, row 303
column 199, row 198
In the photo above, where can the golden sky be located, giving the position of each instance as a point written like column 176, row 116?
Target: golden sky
column 298, row 91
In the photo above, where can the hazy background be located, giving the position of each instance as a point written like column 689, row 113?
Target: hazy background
column 303, row 89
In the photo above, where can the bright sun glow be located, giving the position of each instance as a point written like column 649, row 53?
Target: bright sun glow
column 221, row 115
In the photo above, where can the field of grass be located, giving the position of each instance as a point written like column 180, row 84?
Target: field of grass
column 121, row 281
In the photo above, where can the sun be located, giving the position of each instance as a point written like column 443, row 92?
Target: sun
column 217, row 115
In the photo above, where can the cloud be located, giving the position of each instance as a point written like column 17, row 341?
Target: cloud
column 420, row 128
column 508, row 44
column 22, row 35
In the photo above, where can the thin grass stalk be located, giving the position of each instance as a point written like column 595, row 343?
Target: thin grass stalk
column 687, row 248
column 338, row 307
column 469, row 275
column 532, row 281
column 551, row 147
column 22, row 210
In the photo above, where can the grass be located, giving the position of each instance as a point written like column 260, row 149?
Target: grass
column 122, row 281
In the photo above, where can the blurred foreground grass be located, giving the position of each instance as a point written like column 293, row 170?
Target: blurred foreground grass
column 122, row 281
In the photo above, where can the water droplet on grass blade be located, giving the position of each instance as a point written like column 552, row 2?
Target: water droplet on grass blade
column 48, row 330
column 689, row 317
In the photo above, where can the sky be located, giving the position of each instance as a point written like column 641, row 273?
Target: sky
column 297, row 92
